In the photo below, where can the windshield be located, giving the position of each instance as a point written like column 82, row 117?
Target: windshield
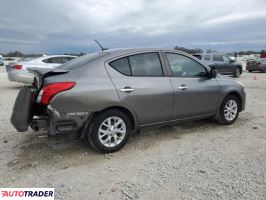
column 80, row 61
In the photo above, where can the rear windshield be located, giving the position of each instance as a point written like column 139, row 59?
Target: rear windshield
column 80, row 61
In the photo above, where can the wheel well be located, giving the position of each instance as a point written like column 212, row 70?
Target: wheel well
column 124, row 110
column 236, row 95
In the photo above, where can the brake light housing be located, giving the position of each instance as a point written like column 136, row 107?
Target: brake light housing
column 51, row 89
column 17, row 67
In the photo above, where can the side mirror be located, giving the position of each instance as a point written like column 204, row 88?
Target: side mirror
column 213, row 73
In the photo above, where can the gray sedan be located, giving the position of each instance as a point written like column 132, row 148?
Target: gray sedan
column 107, row 95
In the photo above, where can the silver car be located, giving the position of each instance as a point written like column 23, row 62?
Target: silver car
column 18, row 72
column 106, row 96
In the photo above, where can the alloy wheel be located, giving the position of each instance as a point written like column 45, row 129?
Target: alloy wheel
column 230, row 110
column 112, row 131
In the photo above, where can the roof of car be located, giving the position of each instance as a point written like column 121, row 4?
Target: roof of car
column 121, row 51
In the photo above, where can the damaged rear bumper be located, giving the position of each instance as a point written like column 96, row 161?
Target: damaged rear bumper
column 57, row 123
column 27, row 112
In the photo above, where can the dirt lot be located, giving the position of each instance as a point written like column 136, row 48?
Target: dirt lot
column 199, row 160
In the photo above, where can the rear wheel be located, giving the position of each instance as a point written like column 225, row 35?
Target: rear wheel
column 229, row 110
column 236, row 73
column 109, row 131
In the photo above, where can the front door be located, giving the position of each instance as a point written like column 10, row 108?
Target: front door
column 141, row 85
column 195, row 94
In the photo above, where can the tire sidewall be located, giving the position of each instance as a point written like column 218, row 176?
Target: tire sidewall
column 237, row 73
column 222, row 117
column 93, row 133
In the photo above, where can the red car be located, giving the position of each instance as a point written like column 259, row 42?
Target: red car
column 256, row 65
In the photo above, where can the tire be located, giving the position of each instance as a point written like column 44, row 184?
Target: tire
column 237, row 72
column 102, row 134
column 223, row 117
column 249, row 70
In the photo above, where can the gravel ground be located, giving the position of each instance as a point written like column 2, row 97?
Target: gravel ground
column 198, row 160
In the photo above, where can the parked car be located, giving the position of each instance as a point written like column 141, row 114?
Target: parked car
column 18, row 72
column 1, row 60
column 107, row 95
column 256, row 65
column 222, row 63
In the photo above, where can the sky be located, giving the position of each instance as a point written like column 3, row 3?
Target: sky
column 64, row 26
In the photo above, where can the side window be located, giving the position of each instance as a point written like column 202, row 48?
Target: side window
column 207, row 57
column 226, row 59
column 70, row 58
column 51, row 60
column 217, row 57
column 122, row 66
column 182, row 66
column 57, row 60
column 146, row 64
column 64, row 59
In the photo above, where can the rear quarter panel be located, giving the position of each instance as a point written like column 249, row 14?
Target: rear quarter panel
column 94, row 91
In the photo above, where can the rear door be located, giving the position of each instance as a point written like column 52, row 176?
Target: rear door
column 142, row 85
column 195, row 94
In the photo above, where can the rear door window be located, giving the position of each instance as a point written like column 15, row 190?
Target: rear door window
column 122, row 66
column 146, row 64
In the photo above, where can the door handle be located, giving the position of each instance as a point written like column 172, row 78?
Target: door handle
column 183, row 87
column 127, row 89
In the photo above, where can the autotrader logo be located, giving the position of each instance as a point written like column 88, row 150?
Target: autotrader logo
column 27, row 193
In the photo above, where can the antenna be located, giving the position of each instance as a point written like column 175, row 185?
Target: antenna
column 101, row 46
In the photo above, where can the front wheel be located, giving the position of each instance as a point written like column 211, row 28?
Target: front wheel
column 229, row 110
column 109, row 131
column 236, row 73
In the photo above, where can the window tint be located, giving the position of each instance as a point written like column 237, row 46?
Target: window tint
column 183, row 66
column 122, row 66
column 217, row 57
column 207, row 57
column 146, row 64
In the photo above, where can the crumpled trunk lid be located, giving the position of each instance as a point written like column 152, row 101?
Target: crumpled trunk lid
column 41, row 73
